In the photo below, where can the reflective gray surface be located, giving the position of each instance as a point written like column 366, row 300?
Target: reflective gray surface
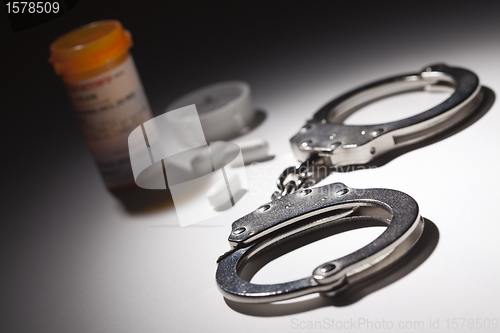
column 326, row 135
column 321, row 206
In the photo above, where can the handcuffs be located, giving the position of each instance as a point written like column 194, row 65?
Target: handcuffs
column 297, row 209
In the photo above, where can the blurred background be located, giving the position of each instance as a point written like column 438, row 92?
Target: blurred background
column 57, row 217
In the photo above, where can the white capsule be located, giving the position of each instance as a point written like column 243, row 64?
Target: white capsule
column 252, row 151
column 221, row 194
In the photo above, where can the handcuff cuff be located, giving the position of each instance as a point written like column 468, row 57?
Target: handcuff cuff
column 297, row 209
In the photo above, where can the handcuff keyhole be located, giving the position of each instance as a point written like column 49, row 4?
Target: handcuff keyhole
column 327, row 268
column 335, row 145
column 342, row 191
column 305, row 192
column 240, row 230
column 262, row 209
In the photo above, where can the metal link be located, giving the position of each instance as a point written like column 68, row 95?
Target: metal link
column 301, row 178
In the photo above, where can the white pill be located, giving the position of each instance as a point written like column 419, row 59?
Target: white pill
column 220, row 195
column 252, row 151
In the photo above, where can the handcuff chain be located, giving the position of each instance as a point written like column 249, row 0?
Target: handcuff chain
column 301, row 178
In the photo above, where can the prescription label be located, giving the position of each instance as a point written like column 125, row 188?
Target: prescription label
column 109, row 107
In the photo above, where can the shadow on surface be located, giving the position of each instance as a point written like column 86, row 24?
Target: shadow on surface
column 417, row 255
column 142, row 201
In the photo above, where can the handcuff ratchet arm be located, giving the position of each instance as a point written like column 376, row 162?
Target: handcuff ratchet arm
column 327, row 205
column 340, row 144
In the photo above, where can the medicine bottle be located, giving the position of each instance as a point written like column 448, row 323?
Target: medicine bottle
column 106, row 93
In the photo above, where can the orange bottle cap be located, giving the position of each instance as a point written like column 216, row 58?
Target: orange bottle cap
column 89, row 47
